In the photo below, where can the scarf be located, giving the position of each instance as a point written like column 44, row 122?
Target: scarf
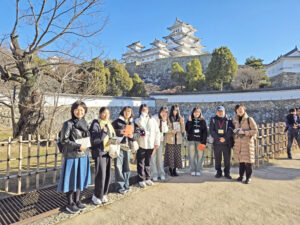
column 81, row 125
column 111, row 132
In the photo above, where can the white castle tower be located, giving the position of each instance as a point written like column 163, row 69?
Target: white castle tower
column 180, row 42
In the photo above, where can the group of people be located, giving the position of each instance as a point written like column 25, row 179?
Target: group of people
column 152, row 137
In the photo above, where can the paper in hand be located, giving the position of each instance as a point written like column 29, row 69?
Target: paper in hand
column 85, row 142
column 129, row 129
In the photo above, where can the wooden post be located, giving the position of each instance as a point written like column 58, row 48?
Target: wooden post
column 46, row 160
column 8, row 164
column 212, row 155
column 20, row 165
column 28, row 162
column 55, row 160
column 263, row 143
column 37, row 173
column 257, row 150
column 268, row 141
column 272, row 141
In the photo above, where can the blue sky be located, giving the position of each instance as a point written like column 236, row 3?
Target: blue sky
column 259, row 28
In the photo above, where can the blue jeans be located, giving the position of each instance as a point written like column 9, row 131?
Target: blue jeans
column 196, row 156
column 122, row 170
column 157, row 165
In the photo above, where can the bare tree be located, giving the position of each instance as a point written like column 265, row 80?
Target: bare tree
column 56, row 27
column 248, row 78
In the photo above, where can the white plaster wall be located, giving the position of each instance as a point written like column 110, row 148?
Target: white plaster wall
column 92, row 101
column 233, row 97
column 284, row 65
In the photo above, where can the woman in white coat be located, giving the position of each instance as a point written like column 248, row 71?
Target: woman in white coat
column 148, row 141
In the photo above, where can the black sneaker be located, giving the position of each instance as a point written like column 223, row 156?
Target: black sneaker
column 72, row 208
column 228, row 177
column 218, row 175
column 239, row 179
column 248, row 181
column 80, row 205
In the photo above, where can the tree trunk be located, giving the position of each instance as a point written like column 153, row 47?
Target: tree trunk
column 30, row 101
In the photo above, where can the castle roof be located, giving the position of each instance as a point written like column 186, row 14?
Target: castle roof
column 294, row 53
column 138, row 43
column 179, row 23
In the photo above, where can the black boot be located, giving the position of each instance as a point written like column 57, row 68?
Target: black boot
column 241, row 171
column 171, row 172
column 175, row 174
column 248, row 173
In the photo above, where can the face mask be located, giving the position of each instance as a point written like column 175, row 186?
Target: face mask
column 144, row 114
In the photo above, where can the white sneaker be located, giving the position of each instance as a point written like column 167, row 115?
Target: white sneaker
column 198, row 174
column 104, row 199
column 193, row 173
column 142, row 184
column 96, row 200
column 162, row 177
column 149, row 182
column 155, row 179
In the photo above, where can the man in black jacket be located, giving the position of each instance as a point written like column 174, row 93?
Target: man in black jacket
column 221, row 129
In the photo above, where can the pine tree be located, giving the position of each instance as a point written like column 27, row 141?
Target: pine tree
column 138, row 89
column 221, row 69
column 178, row 75
column 194, row 76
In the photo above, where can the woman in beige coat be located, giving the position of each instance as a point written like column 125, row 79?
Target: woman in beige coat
column 173, row 141
column 245, row 133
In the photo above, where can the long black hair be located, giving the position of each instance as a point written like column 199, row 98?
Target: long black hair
column 124, row 109
column 75, row 105
column 141, row 108
column 171, row 116
column 200, row 117
column 163, row 108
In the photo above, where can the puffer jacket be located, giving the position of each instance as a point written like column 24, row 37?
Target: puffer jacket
column 151, row 128
column 120, row 124
column 244, row 147
column 69, row 133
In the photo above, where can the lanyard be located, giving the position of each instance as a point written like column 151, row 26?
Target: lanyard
column 222, row 123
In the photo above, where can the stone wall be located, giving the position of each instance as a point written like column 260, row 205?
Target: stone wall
column 159, row 71
column 286, row 80
column 261, row 111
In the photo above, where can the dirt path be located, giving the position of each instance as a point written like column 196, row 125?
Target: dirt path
column 272, row 198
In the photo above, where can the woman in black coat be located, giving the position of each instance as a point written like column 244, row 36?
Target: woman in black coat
column 122, row 169
column 101, row 131
column 75, row 173
column 196, row 130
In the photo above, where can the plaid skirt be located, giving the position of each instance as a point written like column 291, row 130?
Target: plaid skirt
column 172, row 157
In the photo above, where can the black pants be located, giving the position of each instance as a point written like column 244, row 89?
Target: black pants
column 102, row 175
column 246, row 167
column 143, row 157
column 226, row 151
column 292, row 134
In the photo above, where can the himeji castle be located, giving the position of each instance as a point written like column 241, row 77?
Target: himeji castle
column 180, row 42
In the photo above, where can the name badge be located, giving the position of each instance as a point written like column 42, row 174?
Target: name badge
column 196, row 131
column 220, row 131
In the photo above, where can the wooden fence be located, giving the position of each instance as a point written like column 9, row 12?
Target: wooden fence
column 35, row 163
